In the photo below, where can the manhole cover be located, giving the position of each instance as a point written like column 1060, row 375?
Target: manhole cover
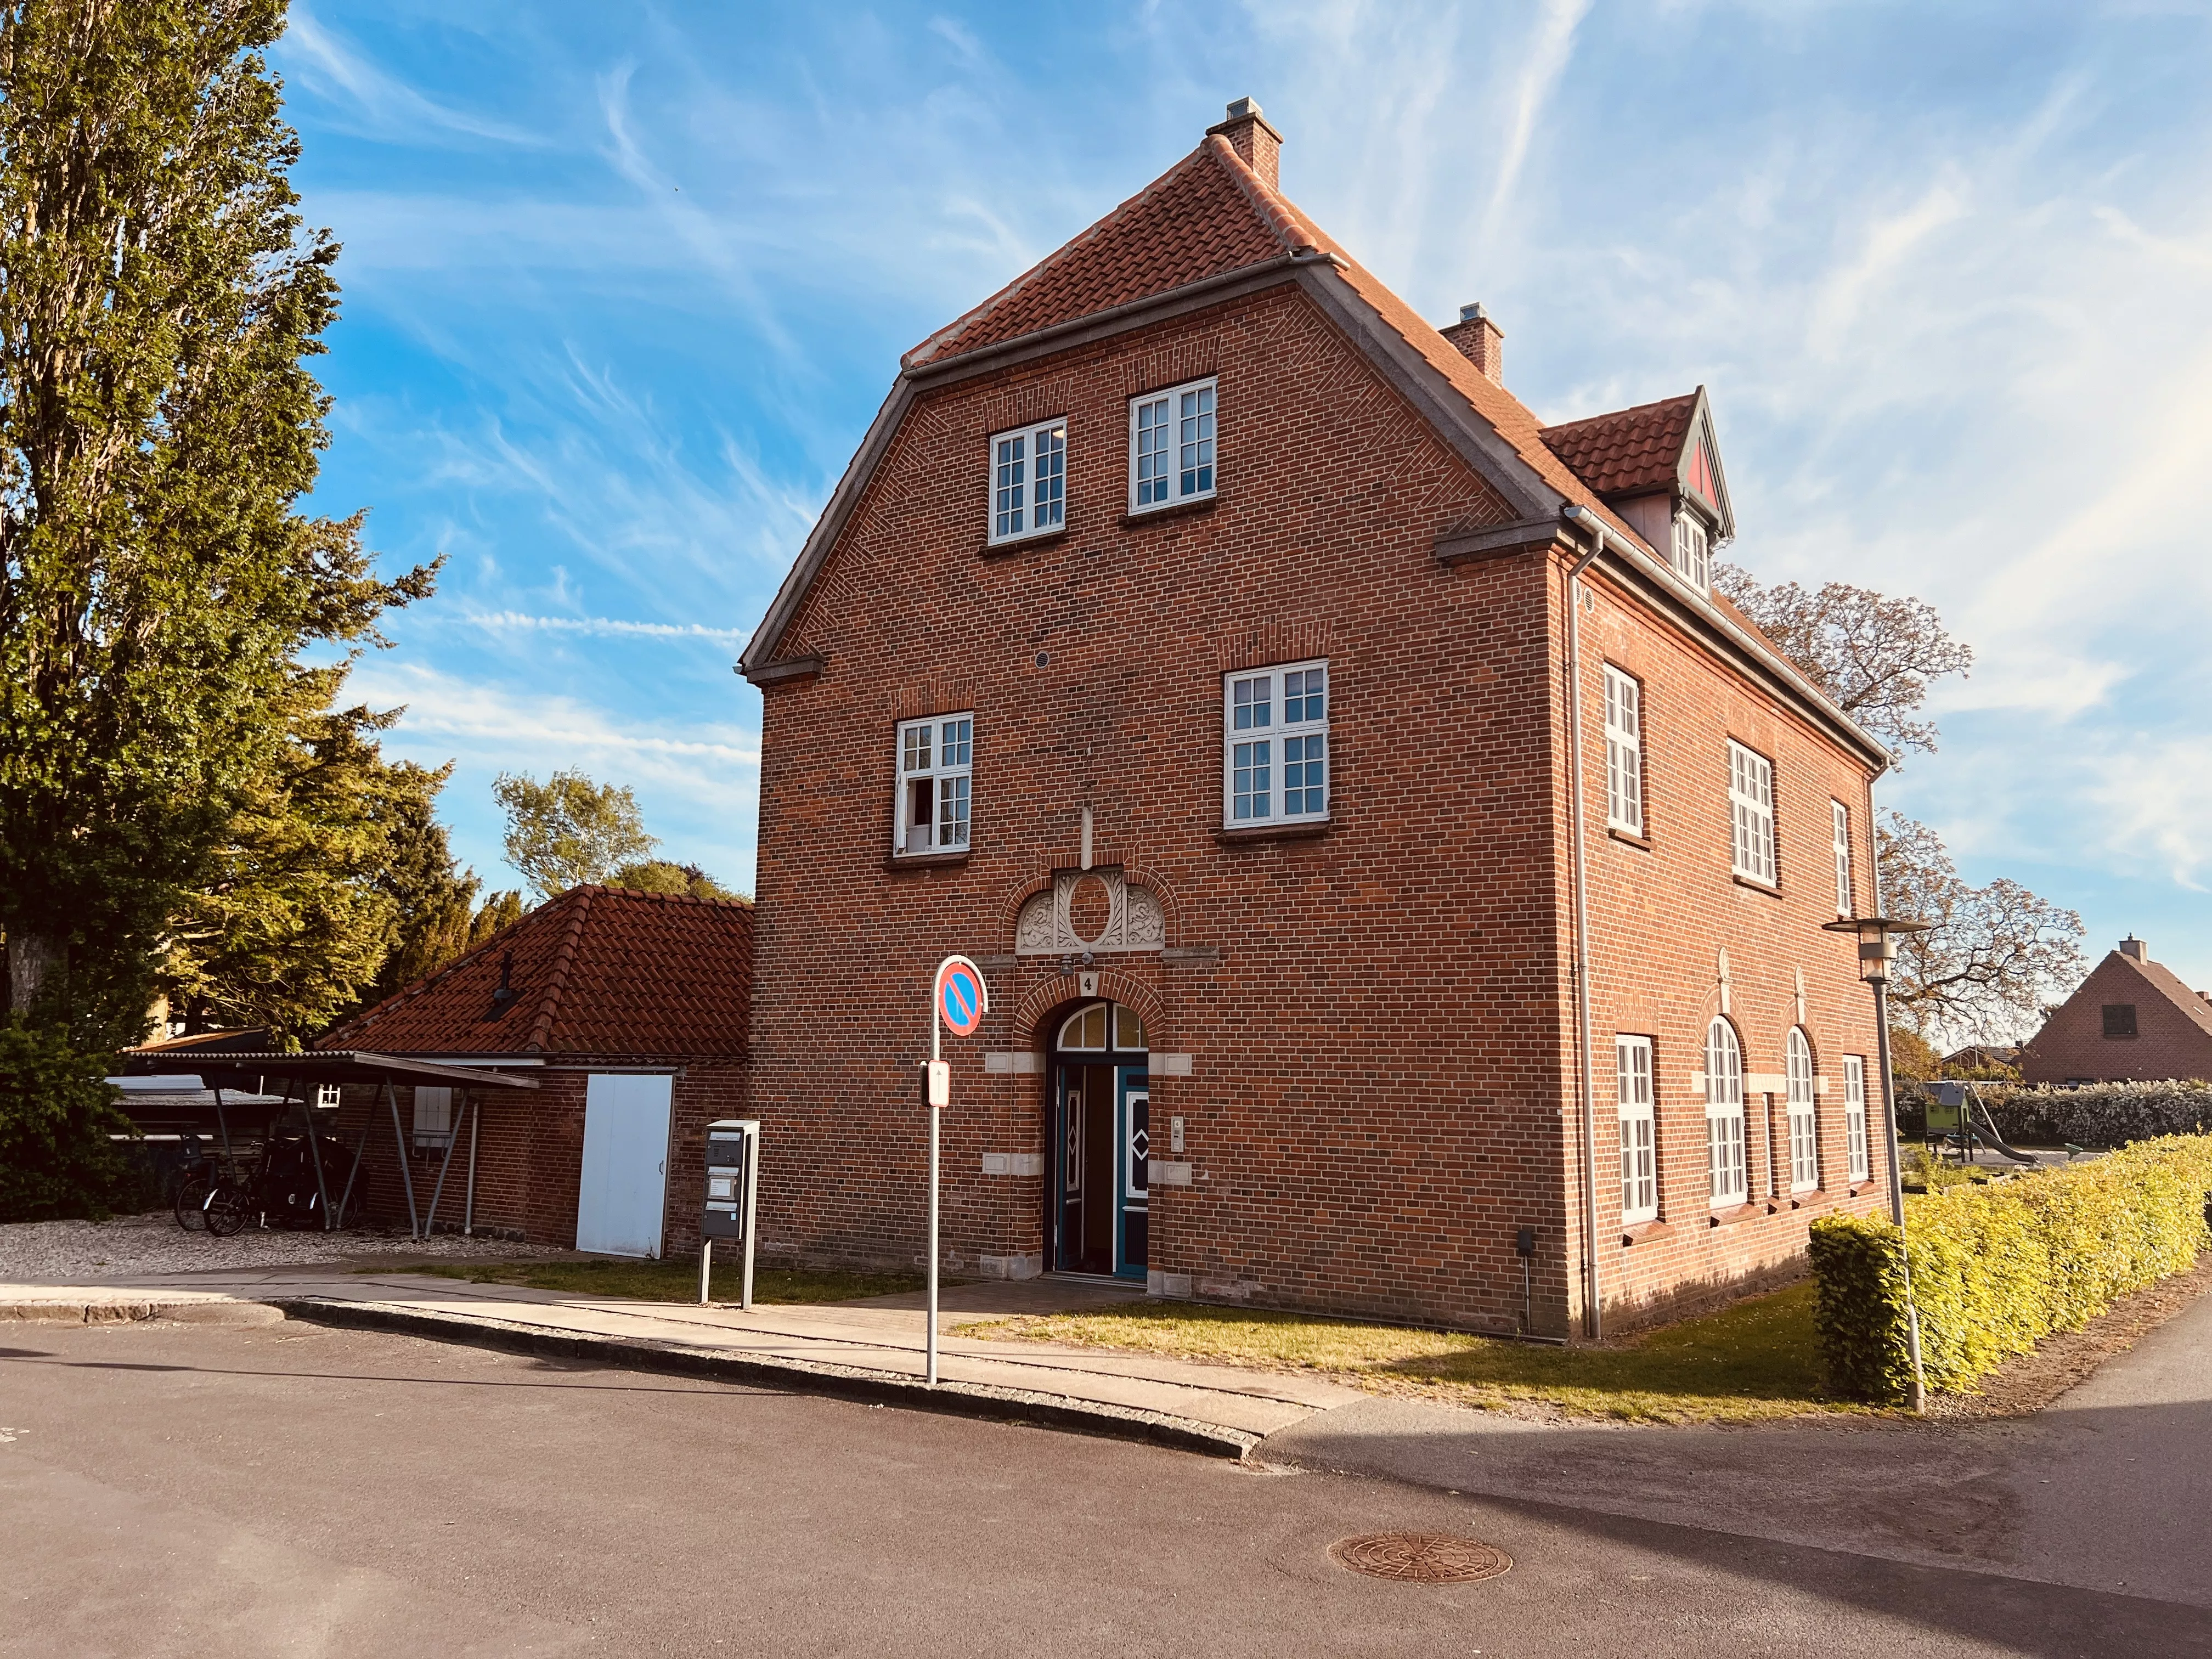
column 1420, row 1557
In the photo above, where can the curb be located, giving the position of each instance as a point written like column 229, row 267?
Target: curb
column 126, row 1313
column 977, row 1400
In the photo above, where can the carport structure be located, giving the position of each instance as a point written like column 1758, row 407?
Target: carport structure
column 315, row 1071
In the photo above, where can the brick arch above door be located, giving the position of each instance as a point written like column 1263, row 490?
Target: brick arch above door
column 1047, row 1001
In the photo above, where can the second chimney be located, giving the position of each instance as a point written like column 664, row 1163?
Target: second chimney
column 2132, row 946
column 1480, row 341
column 1258, row 145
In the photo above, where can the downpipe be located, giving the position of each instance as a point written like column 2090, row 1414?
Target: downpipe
column 1583, row 519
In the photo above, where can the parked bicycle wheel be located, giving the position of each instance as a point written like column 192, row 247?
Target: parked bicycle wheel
column 191, row 1204
column 228, row 1209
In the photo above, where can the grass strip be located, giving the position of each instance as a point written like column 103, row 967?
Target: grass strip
column 1755, row 1359
column 673, row 1281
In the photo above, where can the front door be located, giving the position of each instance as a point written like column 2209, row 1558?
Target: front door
column 625, row 1179
column 1101, row 1142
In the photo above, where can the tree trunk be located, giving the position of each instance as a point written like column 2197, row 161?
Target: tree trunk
column 33, row 959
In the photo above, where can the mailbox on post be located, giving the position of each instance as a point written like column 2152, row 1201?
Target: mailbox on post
column 733, row 1176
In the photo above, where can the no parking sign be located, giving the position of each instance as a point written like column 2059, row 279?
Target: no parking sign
column 962, row 1001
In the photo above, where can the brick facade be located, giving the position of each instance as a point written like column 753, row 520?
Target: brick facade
column 1379, row 1015
column 2166, row 1032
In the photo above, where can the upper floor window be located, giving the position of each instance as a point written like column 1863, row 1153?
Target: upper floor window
column 1724, row 1149
column 1171, row 446
column 1855, row 1125
column 1274, row 747
column 1840, row 817
column 1804, row 1114
column 2119, row 1019
column 934, row 759
column 1639, row 1175
column 1623, row 752
column 1693, row 551
column 1751, row 802
column 1029, row 481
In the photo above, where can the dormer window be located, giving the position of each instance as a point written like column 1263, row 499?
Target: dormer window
column 1692, row 558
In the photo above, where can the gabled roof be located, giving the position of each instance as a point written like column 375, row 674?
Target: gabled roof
column 2161, row 979
column 1668, row 444
column 598, row 970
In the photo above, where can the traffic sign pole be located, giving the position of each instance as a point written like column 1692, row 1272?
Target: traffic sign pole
column 961, row 1000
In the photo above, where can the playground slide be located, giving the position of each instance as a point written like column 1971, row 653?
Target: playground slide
column 1996, row 1143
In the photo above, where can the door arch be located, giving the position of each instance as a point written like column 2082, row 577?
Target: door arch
column 1098, row 1216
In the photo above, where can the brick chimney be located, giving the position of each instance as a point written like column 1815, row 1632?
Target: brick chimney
column 2132, row 946
column 1252, row 138
column 1480, row 341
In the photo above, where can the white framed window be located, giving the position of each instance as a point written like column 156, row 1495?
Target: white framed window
column 1624, row 751
column 434, row 1117
column 1029, row 481
column 330, row 1096
column 1274, row 744
column 1839, row 818
column 1751, row 805
column 934, row 757
column 1693, row 553
column 1639, row 1169
column 1855, row 1125
column 1804, row 1113
column 1724, row 1156
column 1171, row 444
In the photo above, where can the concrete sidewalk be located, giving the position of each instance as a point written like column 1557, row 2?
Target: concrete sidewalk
column 872, row 1349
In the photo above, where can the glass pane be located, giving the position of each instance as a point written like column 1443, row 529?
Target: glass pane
column 1129, row 1028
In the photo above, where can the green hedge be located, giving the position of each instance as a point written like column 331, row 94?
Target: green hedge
column 1996, row 1267
column 59, row 1156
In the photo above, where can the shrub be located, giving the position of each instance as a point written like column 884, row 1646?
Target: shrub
column 1995, row 1268
column 56, row 1115
column 2100, row 1114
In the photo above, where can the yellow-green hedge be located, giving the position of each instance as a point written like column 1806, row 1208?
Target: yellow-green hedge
column 1996, row 1267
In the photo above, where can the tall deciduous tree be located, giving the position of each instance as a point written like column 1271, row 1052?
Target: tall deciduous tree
column 674, row 880
column 1993, row 959
column 158, row 296
column 1873, row 654
column 570, row 830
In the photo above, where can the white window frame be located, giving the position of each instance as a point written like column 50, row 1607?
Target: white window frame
column 330, row 1096
column 1639, row 1130
column 1751, row 814
column 1261, row 744
column 942, row 831
column 1691, row 555
column 1727, row 1167
column 1839, row 820
column 1855, row 1115
column 1016, row 511
column 1624, row 751
column 432, row 1110
column 1804, row 1113
column 1175, row 448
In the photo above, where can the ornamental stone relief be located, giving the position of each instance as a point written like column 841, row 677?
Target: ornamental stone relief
column 1095, row 910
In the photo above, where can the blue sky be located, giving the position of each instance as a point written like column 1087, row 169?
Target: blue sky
column 625, row 283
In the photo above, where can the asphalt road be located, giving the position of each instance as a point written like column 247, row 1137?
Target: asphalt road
column 296, row 1490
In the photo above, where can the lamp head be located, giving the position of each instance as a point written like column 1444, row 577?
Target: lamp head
column 1877, row 937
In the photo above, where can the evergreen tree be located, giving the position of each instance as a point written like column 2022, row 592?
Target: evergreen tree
column 158, row 425
column 677, row 880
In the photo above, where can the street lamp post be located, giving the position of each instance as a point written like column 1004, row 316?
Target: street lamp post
column 1877, row 938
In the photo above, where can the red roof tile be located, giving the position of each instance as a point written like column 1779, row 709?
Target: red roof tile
column 598, row 970
column 1630, row 450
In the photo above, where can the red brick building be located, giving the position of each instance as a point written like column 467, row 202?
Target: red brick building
column 628, row 1010
column 1224, row 657
column 2132, row 1020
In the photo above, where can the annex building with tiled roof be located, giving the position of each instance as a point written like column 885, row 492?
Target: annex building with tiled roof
column 2132, row 1020
column 629, row 1011
column 1386, row 852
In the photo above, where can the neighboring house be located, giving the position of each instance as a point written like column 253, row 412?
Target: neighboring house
column 2132, row 1020
column 1188, row 642
column 630, row 1009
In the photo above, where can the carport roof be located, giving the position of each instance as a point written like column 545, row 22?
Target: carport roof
column 327, row 1066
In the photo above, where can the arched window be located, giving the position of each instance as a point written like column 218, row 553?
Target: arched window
column 1724, row 1114
column 1804, row 1116
column 1086, row 1030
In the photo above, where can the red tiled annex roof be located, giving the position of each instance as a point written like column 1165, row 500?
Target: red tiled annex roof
column 1208, row 215
column 598, row 970
column 1629, row 450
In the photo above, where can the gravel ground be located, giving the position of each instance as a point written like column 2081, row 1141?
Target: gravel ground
column 74, row 1252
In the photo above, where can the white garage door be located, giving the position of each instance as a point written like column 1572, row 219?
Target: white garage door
column 625, row 1164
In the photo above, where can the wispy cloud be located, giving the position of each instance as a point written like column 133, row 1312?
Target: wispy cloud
column 602, row 627
column 387, row 108
column 1551, row 44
